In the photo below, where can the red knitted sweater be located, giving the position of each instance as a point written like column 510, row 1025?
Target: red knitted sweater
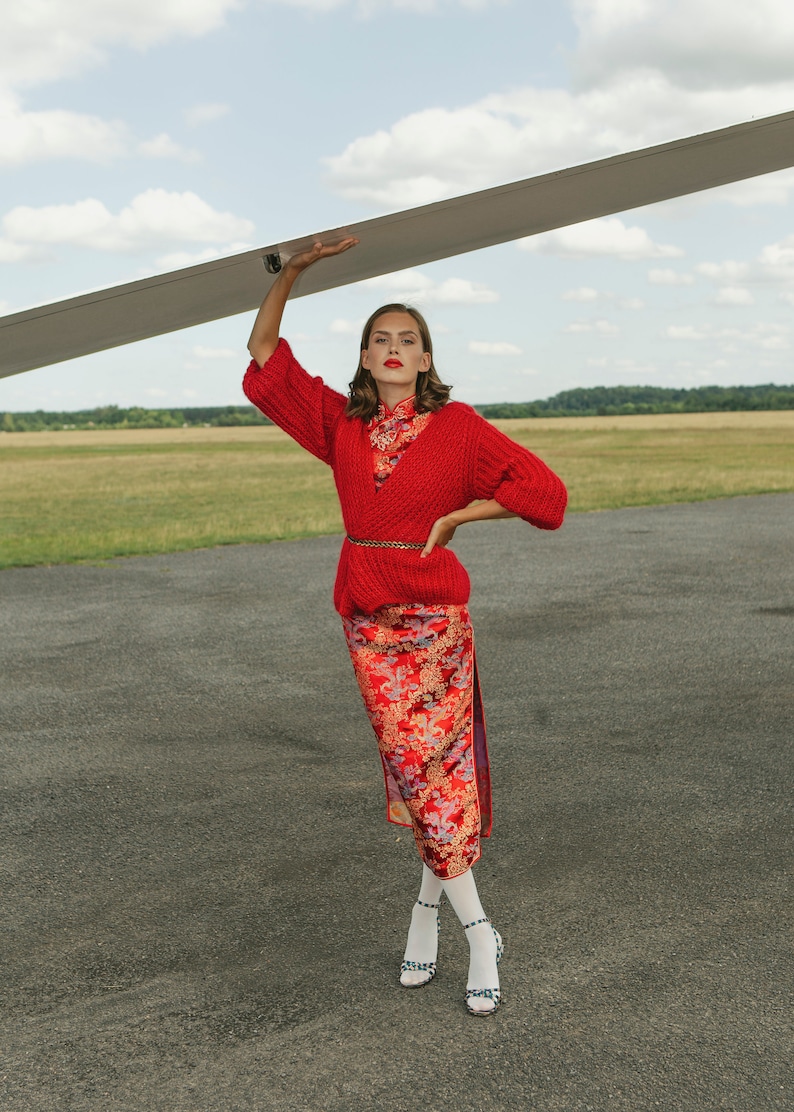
column 458, row 458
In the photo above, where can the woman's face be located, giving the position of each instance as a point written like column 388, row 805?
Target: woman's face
column 395, row 355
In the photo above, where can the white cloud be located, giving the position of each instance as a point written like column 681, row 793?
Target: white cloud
column 151, row 219
column 27, row 137
column 427, row 155
column 767, row 335
column 600, row 327
column 45, row 41
column 645, row 71
column 33, row 136
column 460, row 291
column 163, row 146
column 521, row 372
column 666, row 276
column 698, row 42
column 769, row 189
column 770, row 337
column 178, row 260
column 728, row 271
column 498, row 347
column 685, row 332
column 734, row 295
column 202, row 352
column 342, row 327
column 631, row 303
column 19, row 252
column 372, row 7
column 41, row 42
column 413, row 285
column 205, row 114
column 583, row 293
column 635, row 368
column 603, row 238
column 774, row 266
column 779, row 254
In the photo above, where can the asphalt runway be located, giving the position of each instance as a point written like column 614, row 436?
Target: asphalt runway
column 203, row 908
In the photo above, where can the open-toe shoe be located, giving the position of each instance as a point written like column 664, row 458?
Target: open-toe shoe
column 492, row 994
column 428, row 968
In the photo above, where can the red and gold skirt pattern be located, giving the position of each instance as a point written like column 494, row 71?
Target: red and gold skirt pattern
column 416, row 669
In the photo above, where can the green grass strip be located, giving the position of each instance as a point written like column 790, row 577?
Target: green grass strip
column 83, row 497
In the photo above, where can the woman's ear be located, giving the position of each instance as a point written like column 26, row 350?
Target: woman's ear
column 365, row 359
column 427, row 359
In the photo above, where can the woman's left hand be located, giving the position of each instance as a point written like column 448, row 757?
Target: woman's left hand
column 441, row 534
column 444, row 529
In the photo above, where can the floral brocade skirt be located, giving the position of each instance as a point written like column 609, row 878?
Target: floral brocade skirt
column 416, row 669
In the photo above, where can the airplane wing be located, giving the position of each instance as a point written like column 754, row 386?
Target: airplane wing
column 222, row 287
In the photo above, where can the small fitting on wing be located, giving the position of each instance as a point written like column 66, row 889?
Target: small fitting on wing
column 272, row 263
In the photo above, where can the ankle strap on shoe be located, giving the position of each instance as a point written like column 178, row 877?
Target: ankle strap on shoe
column 423, row 904
column 476, row 923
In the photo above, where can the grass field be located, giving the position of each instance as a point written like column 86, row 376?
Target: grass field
column 87, row 496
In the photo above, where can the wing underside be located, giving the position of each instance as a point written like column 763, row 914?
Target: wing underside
column 164, row 303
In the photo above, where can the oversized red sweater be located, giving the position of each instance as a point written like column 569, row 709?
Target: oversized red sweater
column 458, row 458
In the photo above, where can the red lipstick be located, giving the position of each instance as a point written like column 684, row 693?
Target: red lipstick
column 392, row 363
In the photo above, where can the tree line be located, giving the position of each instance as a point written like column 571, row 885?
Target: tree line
column 613, row 401
column 136, row 417
column 592, row 401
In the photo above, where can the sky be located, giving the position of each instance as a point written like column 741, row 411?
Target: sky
column 138, row 136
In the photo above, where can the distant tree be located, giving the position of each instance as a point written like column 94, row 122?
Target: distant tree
column 610, row 401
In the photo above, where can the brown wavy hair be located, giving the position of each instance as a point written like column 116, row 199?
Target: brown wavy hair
column 431, row 393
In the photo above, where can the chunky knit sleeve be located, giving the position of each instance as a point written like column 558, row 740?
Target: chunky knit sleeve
column 304, row 407
column 517, row 479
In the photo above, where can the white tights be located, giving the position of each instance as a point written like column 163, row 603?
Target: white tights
column 422, row 942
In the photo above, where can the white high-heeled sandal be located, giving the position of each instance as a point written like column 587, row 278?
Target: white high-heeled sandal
column 428, row 967
column 493, row 994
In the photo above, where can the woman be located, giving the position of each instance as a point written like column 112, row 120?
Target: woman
column 402, row 595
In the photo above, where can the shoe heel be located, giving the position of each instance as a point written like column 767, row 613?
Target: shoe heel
column 500, row 946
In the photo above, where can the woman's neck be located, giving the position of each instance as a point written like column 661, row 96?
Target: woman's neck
column 391, row 397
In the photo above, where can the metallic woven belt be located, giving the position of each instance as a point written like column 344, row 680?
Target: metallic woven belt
column 385, row 544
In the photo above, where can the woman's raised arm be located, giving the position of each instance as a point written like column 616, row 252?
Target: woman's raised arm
column 264, row 335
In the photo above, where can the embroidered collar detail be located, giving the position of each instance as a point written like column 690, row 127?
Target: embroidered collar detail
column 390, row 433
column 387, row 424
